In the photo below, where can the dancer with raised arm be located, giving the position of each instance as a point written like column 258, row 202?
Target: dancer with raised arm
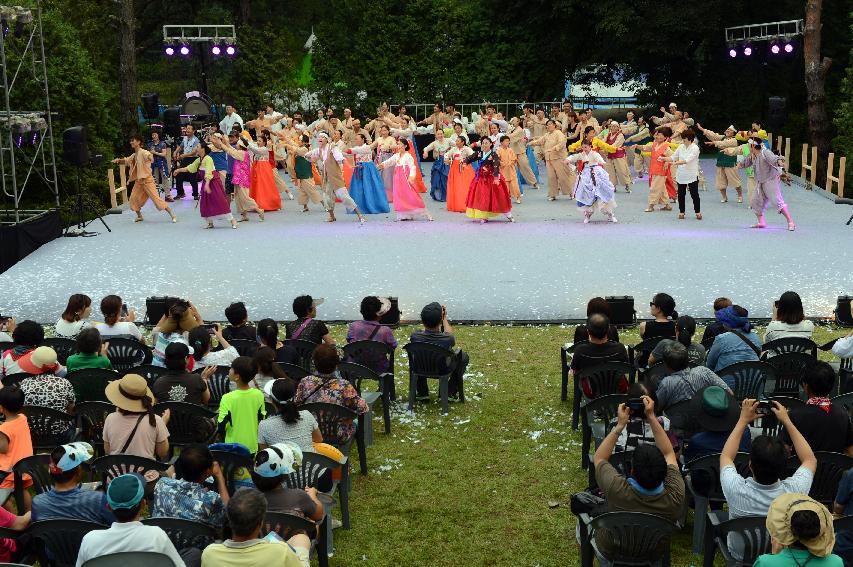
column 659, row 171
column 440, row 170
column 241, row 178
column 594, row 188
column 768, row 169
column 461, row 175
column 213, row 203
column 727, row 169
column 366, row 187
column 303, row 171
column 407, row 200
column 385, row 145
column 560, row 178
column 139, row 166
column 489, row 195
column 263, row 189
column 330, row 162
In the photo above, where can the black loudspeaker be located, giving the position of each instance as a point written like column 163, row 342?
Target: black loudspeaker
column 843, row 314
column 392, row 318
column 622, row 309
column 151, row 106
column 172, row 121
column 156, row 307
column 74, row 149
column 777, row 113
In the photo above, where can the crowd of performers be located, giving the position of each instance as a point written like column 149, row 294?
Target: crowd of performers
column 376, row 167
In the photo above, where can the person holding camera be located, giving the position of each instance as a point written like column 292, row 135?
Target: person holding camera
column 437, row 331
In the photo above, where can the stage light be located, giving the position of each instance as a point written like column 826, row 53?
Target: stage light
column 747, row 51
column 732, row 52
column 216, row 50
column 170, row 50
column 230, row 50
column 185, row 50
column 789, row 47
column 774, row 49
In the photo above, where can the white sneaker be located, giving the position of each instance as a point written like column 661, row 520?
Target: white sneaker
column 586, row 218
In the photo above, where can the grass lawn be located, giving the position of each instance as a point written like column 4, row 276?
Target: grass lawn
column 488, row 484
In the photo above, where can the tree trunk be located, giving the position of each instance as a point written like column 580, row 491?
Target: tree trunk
column 244, row 11
column 127, row 68
column 816, row 69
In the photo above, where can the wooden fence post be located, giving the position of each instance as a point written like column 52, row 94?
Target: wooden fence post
column 839, row 180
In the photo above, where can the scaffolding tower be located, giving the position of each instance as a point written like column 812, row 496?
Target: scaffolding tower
column 27, row 156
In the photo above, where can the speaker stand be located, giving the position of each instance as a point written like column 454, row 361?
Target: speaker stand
column 82, row 223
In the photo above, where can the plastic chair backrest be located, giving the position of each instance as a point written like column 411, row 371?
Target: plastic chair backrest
column 305, row 349
column 639, row 535
column 131, row 559
column 747, row 379
column 111, row 466
column 830, row 468
column 710, row 465
column 769, row 424
column 354, row 373
column 91, row 417
column 790, row 345
column 752, row 532
column 150, row 372
column 232, row 464
column 125, row 354
column 605, row 379
column 430, row 360
column 188, row 423
column 62, row 346
column 790, row 369
column 185, row 533
column 48, row 426
column 36, row 467
column 293, row 371
column 845, row 400
column 329, row 419
column 654, row 374
column 15, row 378
column 370, row 354
column 58, row 541
column 218, row 383
column 287, row 525
column 313, row 466
column 244, row 347
column 682, row 418
column 89, row 383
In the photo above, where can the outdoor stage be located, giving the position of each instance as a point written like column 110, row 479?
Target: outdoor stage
column 543, row 267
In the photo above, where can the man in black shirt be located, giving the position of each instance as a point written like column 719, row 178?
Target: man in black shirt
column 306, row 327
column 178, row 385
column 825, row 426
column 437, row 331
column 238, row 327
column 597, row 350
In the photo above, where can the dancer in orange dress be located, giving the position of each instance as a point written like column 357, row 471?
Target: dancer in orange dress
column 263, row 190
column 460, row 177
column 509, row 168
column 659, row 174
column 139, row 165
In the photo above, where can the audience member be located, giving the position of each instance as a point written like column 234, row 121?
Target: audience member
column 801, row 533
column 181, row 317
column 596, row 306
column 67, row 499
column 246, row 512
column 437, row 331
column 268, row 368
column 662, row 308
column 134, row 428
column 27, row 335
column 654, row 486
column 326, row 386
column 125, row 496
column 44, row 388
column 715, row 412
column 597, row 350
column 242, row 409
column 91, row 352
column 715, row 327
column 751, row 496
column 637, row 431
column 272, row 465
column 268, row 336
column 186, row 497
column 178, row 385
column 7, row 326
column 75, row 318
column 370, row 329
column 290, row 424
column 306, row 326
column 824, row 425
column 685, row 328
column 788, row 319
column 738, row 344
column 200, row 342
column 681, row 382
column 115, row 324
column 15, row 442
column 238, row 323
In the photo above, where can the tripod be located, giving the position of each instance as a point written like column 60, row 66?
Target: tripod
column 80, row 230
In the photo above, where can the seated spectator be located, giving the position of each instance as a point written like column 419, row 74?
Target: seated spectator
column 597, row 350
column 715, row 327
column 91, row 352
column 801, row 533
column 186, row 497
column 289, row 424
column 370, row 329
column 75, row 318
column 662, row 308
column 238, row 323
column 272, row 465
column 306, row 326
column 44, row 388
column 134, row 428
column 246, row 512
column 751, row 496
column 824, row 425
column 843, row 506
column 27, row 335
column 181, row 317
column 115, row 324
column 716, row 412
column 843, row 349
column 738, row 344
column 682, row 382
column 268, row 336
column 637, row 431
column 7, row 325
column 437, row 331
column 125, row 495
column 596, row 306
column 178, row 385
column 242, row 409
column 15, row 442
column 655, row 485
column 685, row 328
column 326, row 386
column 67, row 499
column 200, row 342
column 268, row 368
column 788, row 319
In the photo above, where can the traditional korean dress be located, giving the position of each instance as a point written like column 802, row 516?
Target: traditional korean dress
column 212, row 204
column 385, row 150
column 440, row 170
column 593, row 188
column 407, row 200
column 488, row 196
column 459, row 179
column 263, row 189
column 366, row 187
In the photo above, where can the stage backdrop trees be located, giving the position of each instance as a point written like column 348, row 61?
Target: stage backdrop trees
column 816, row 70
column 127, row 68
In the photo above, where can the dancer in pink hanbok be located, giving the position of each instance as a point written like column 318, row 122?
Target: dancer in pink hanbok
column 407, row 200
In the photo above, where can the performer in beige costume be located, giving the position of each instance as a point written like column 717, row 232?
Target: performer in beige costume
column 330, row 164
column 536, row 124
column 518, row 143
column 304, row 175
column 727, row 167
column 139, row 171
column 560, row 177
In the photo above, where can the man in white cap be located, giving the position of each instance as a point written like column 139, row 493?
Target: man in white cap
column 330, row 162
column 67, row 499
column 727, row 169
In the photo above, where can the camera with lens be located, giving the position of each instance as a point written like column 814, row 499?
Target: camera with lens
column 636, row 406
column 764, row 407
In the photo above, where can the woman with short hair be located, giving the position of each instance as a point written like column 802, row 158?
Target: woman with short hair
column 789, row 319
column 75, row 318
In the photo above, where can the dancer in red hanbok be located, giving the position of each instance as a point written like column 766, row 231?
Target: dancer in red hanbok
column 488, row 196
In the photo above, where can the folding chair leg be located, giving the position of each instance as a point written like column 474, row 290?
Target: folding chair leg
column 386, row 405
column 700, row 519
column 564, row 389
column 462, row 391
column 413, row 386
column 324, row 541
column 343, row 493
column 576, row 403
column 442, row 387
column 362, row 449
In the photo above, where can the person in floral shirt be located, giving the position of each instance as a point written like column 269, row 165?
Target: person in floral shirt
column 186, row 497
column 326, row 386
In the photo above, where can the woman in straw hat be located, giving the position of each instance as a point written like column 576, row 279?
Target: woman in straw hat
column 801, row 533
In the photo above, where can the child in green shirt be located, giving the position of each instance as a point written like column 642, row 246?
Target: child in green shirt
column 91, row 353
column 242, row 409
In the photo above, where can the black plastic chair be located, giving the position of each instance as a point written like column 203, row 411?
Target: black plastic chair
column 843, row 525
column 231, row 463
column 293, row 371
column 790, row 369
column 110, row 466
column 595, row 421
column 244, row 347
column 621, row 461
column 566, row 352
column 845, row 400
column 643, row 539
column 13, row 379
column 63, row 348
column 603, row 379
column 287, row 525
column 90, row 383
column 36, row 467
column 131, row 559
column 830, row 468
column 747, row 379
column 315, row 465
column 355, row 373
column 789, row 345
column 653, row 375
column 305, row 350
column 431, row 361
column 219, row 384
column 126, row 354
column 90, row 421
column 682, row 419
column 48, row 427
column 185, row 533
column 57, row 542
column 770, row 426
column 751, row 530
column 5, row 345
column 370, row 353
column 188, row 424
column 148, row 371
column 640, row 353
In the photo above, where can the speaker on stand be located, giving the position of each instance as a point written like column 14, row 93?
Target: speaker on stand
column 777, row 113
column 151, row 106
column 76, row 152
column 172, row 129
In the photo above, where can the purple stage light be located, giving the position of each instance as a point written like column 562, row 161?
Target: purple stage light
column 774, row 49
column 789, row 47
column 747, row 51
column 230, row 50
column 732, row 53
column 185, row 50
column 216, row 50
column 170, row 50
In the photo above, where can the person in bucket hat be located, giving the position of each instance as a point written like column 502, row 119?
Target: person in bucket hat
column 272, row 466
column 801, row 533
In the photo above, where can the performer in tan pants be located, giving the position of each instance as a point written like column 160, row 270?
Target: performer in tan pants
column 304, row 174
column 330, row 164
column 560, row 177
column 139, row 171
column 727, row 169
column 536, row 124
column 518, row 143
column 617, row 161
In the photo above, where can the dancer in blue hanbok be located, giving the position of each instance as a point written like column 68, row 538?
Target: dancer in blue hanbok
column 366, row 187
column 440, row 169
column 593, row 189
